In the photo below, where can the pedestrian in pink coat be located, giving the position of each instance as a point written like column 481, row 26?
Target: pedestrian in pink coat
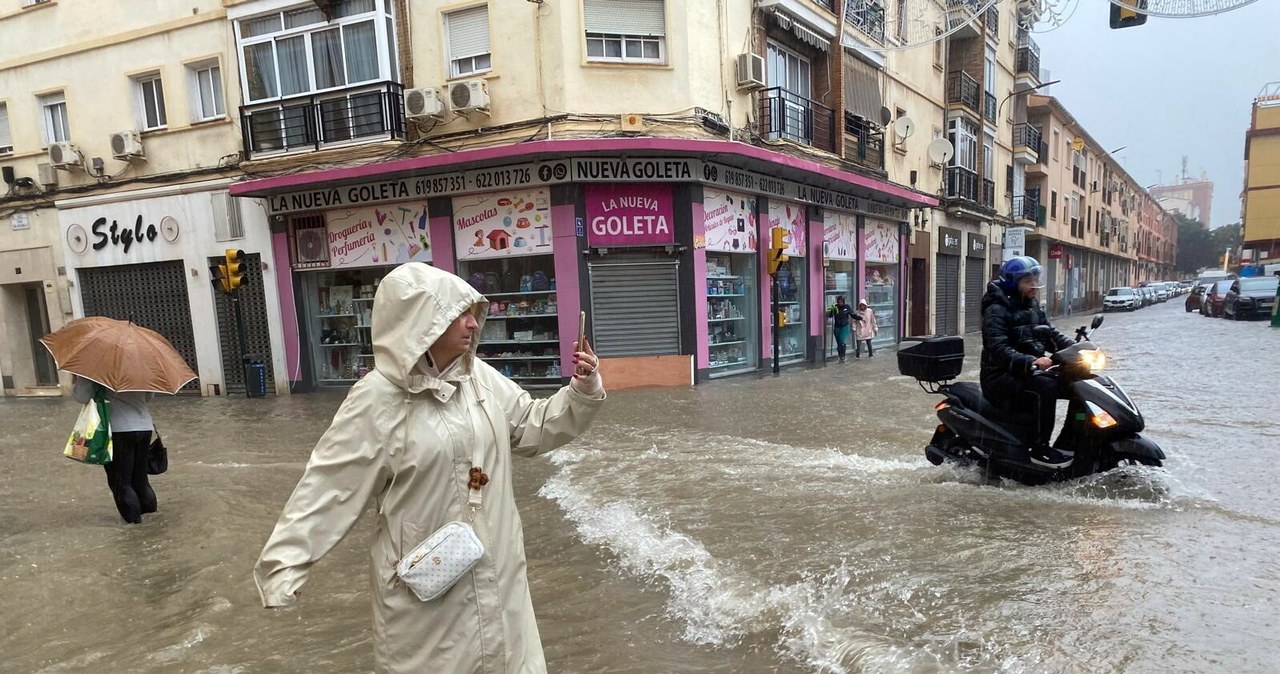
column 866, row 329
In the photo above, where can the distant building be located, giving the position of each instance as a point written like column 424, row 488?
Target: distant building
column 1261, row 208
column 1190, row 197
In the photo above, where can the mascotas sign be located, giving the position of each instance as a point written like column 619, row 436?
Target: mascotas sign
column 630, row 214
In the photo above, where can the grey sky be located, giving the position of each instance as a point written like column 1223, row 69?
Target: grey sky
column 1168, row 88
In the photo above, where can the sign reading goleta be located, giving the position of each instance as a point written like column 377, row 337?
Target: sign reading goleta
column 582, row 170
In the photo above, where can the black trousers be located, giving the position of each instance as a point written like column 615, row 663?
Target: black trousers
column 1043, row 392
column 858, row 346
column 127, row 475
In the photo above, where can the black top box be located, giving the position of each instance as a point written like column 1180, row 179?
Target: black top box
column 934, row 359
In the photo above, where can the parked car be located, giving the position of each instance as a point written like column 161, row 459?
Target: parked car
column 1250, row 298
column 1192, row 302
column 1213, row 301
column 1122, row 297
column 1148, row 295
column 1162, row 293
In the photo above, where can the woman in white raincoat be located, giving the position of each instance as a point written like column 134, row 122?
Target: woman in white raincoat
column 405, row 438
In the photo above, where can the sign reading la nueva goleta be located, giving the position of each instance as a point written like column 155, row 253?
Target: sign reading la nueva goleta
column 583, row 170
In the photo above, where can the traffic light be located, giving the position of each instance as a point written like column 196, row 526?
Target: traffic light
column 782, row 319
column 777, row 247
column 218, row 277
column 234, row 269
column 1128, row 13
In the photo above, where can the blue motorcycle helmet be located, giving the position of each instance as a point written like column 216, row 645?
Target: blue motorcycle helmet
column 1018, row 268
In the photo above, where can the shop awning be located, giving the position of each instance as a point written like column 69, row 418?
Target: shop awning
column 862, row 89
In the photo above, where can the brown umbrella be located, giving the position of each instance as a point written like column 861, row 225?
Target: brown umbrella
column 119, row 355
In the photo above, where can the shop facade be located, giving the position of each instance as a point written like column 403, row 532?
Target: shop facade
column 33, row 301
column 663, row 252
column 144, row 256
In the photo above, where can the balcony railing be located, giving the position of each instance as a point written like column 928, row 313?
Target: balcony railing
column 1027, row 208
column 989, row 106
column 993, row 21
column 1025, row 135
column 863, row 142
column 315, row 120
column 988, row 195
column 1027, row 58
column 792, row 117
column 971, row 5
column 867, row 16
column 963, row 89
column 962, row 183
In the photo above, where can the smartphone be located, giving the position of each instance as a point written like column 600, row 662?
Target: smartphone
column 582, row 329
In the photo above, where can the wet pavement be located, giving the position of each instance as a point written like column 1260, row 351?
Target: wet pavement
column 759, row 524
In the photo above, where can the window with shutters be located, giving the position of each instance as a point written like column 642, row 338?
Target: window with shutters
column 626, row 31
column 467, row 41
column 6, row 139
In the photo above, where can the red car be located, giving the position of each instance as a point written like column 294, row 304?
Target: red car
column 1193, row 298
column 1215, row 299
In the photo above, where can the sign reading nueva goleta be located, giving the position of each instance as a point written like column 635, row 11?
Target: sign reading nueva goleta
column 583, row 170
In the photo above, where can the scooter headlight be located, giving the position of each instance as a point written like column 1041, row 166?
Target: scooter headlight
column 1100, row 417
column 1094, row 359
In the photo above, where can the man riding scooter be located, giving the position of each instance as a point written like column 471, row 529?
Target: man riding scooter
column 1013, row 354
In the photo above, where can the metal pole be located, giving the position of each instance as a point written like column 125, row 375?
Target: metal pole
column 774, row 282
column 240, row 339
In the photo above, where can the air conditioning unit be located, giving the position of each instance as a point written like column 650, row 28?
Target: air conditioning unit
column 311, row 245
column 469, row 96
column 127, row 145
column 64, row 155
column 423, row 103
column 46, row 174
column 750, row 71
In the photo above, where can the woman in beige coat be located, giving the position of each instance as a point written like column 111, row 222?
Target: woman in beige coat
column 865, row 330
column 405, row 438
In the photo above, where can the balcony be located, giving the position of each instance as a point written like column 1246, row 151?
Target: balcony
column 1026, row 62
column 1027, row 212
column 867, row 16
column 1039, row 167
column 962, row 90
column 1026, row 144
column 863, row 142
column 962, row 184
column 315, row 121
column 993, row 22
column 989, row 106
column 961, row 12
column 792, row 117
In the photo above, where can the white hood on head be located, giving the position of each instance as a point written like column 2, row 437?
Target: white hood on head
column 414, row 305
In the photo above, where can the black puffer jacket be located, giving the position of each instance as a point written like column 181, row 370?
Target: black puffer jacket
column 1009, row 345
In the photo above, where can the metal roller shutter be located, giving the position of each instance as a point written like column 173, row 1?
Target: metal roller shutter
column 975, row 284
column 947, row 295
column 151, row 295
column 625, row 17
column 257, row 333
column 635, row 308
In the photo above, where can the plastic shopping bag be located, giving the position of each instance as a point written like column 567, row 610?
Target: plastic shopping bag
column 90, row 440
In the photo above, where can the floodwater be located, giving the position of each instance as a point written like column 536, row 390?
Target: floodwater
column 760, row 524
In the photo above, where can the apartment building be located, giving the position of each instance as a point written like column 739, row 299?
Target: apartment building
column 1260, row 203
column 118, row 141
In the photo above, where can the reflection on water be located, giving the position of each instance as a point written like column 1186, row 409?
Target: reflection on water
column 786, row 524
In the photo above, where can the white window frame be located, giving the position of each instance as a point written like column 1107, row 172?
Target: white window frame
column 624, row 41
column 6, row 134
column 384, row 29
column 144, row 85
column 963, row 135
column 195, row 75
column 53, row 105
column 988, row 156
column 473, row 64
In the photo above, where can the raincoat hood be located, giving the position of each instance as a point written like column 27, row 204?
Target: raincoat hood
column 412, row 308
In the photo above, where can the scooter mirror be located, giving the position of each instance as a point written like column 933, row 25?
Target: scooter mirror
column 1097, row 321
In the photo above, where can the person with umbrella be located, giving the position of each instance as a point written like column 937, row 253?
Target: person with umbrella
column 128, row 364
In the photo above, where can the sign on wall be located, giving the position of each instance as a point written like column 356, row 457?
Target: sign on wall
column 840, row 235
column 794, row 218
column 1015, row 242
column 502, row 224
column 729, row 221
column 378, row 235
column 880, row 241
column 630, row 215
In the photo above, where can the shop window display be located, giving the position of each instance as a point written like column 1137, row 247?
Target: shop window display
column 339, row 307
column 882, row 298
column 791, row 302
column 731, row 314
column 521, row 335
column 838, row 281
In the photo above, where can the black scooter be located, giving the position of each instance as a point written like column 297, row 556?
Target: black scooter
column 1102, row 427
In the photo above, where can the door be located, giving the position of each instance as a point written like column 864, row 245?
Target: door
column 947, row 295
column 919, row 290
column 38, row 326
column 975, row 284
column 635, row 308
column 790, row 72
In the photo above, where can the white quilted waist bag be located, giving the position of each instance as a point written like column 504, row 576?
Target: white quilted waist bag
column 440, row 561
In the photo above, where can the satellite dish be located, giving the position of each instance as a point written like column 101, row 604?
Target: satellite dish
column 941, row 151
column 903, row 128
column 886, row 116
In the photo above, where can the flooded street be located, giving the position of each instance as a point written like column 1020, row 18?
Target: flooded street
column 762, row 524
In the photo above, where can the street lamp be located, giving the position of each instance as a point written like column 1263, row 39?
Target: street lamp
column 1023, row 91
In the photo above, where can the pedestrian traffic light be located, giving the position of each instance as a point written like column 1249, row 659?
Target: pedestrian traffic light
column 234, row 269
column 1128, row 13
column 777, row 248
column 218, row 277
column 782, row 319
